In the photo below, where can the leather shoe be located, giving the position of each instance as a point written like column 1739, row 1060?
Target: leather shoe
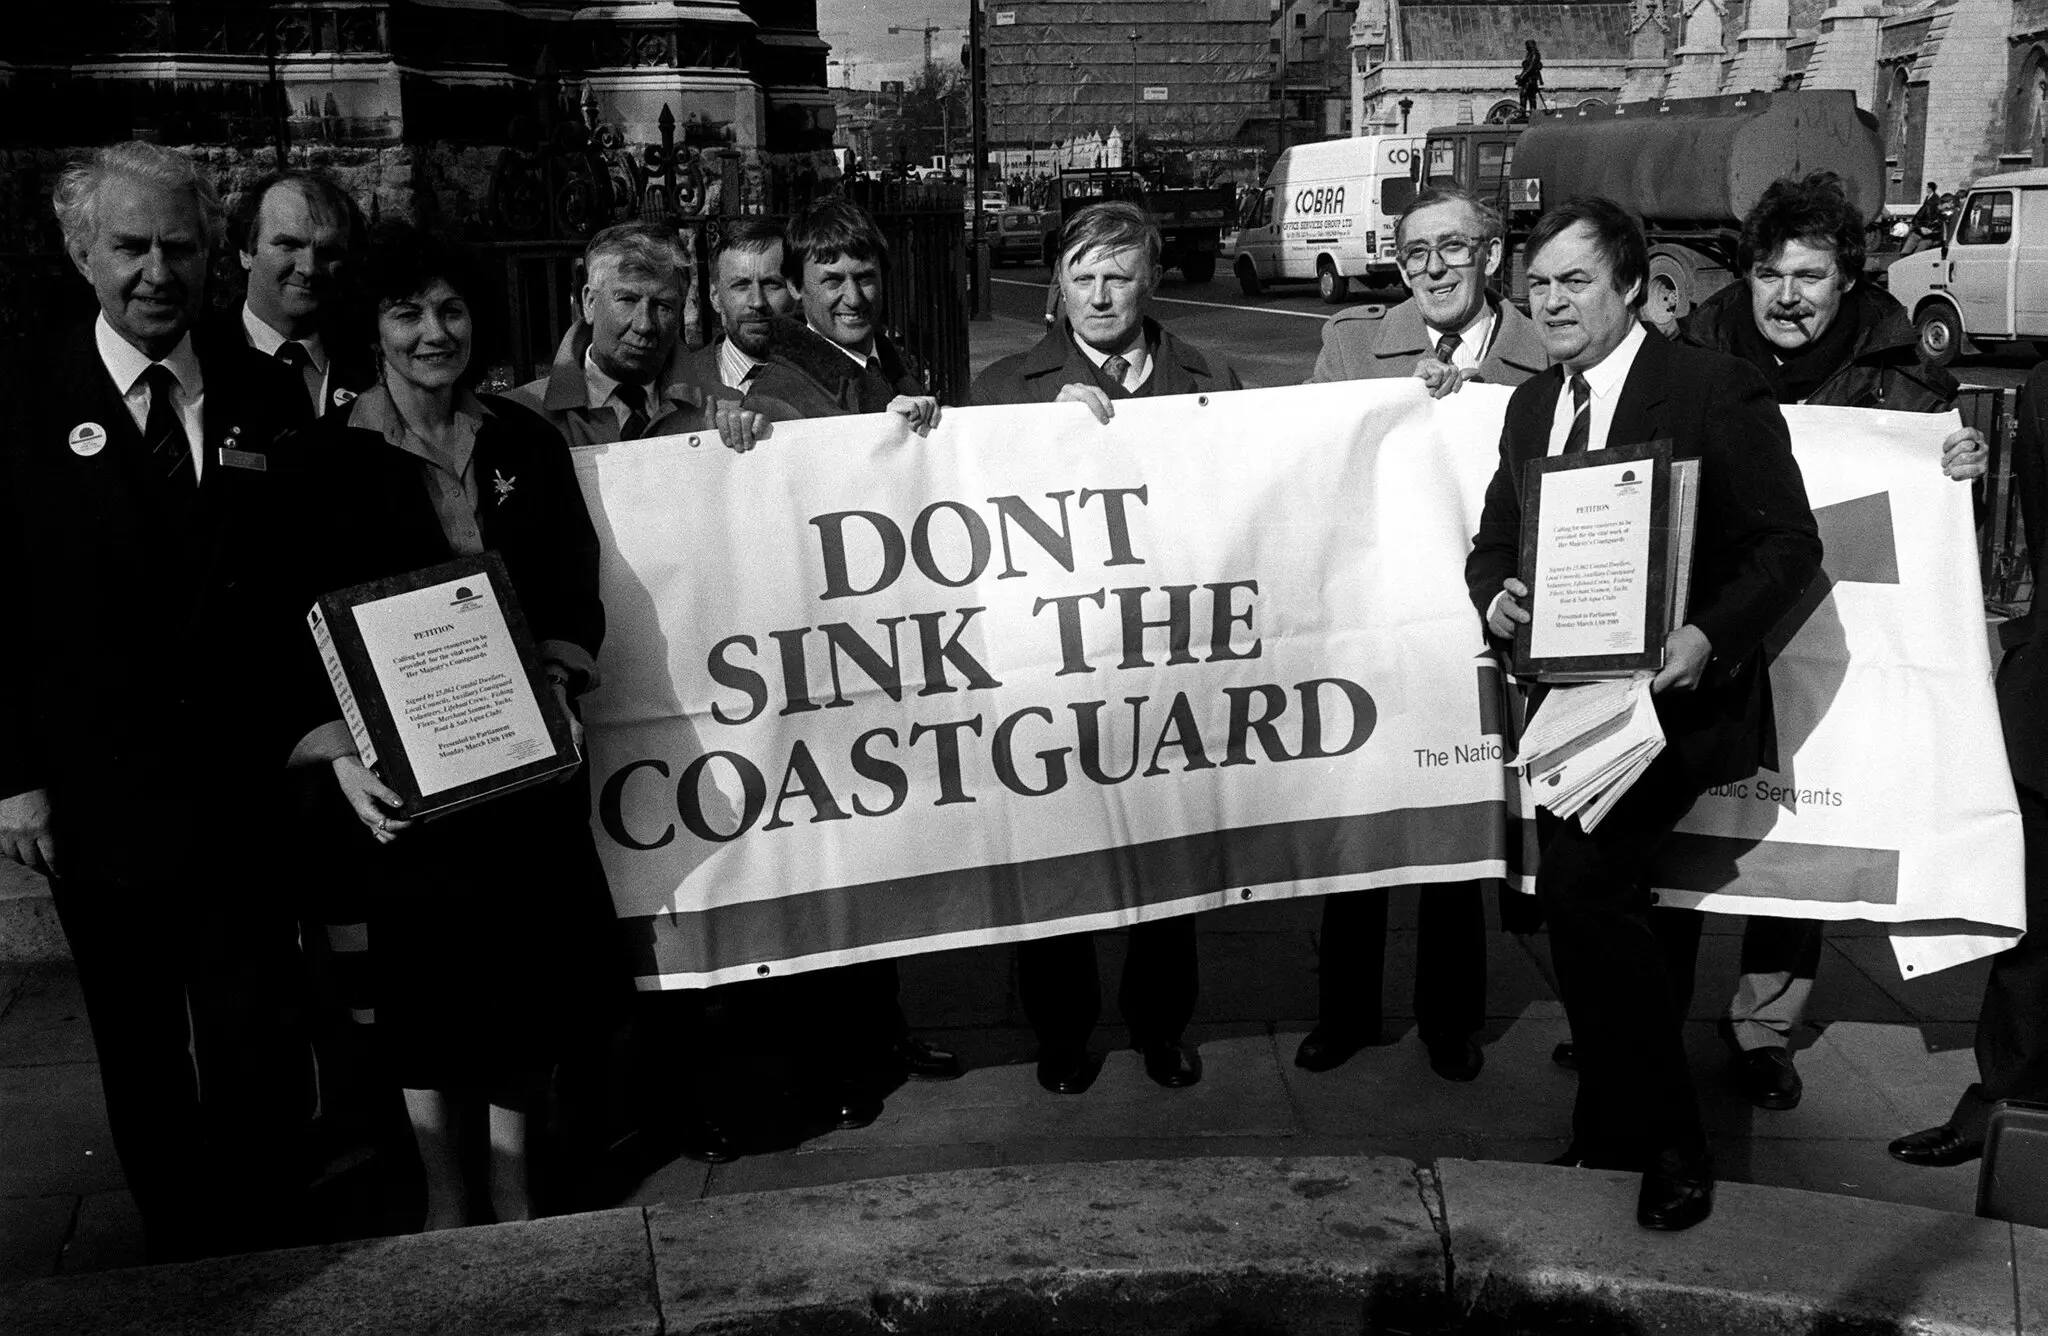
column 925, row 1061
column 1326, row 1047
column 1937, row 1147
column 1067, row 1071
column 1766, row 1077
column 1566, row 1055
column 1456, row 1059
column 1677, row 1193
column 1173, row 1065
column 853, row 1108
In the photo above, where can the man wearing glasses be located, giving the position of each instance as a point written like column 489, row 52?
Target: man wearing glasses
column 1820, row 335
column 1450, row 248
column 1454, row 330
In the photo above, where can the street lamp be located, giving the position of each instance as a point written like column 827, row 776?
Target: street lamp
column 1406, row 104
column 1137, row 99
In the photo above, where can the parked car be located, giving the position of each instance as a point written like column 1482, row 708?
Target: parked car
column 1014, row 234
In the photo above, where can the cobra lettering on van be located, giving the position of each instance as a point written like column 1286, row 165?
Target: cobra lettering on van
column 1319, row 199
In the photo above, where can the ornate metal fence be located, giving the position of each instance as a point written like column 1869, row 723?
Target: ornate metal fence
column 2001, row 534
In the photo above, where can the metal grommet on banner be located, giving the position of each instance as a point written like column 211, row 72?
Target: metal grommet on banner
column 761, row 972
column 1202, row 400
column 695, row 441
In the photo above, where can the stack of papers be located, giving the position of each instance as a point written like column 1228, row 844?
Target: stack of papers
column 1587, row 743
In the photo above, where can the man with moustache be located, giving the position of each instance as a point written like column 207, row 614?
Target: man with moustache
column 1451, row 329
column 621, row 372
column 1804, row 317
column 1756, row 550
column 748, row 290
column 140, row 753
column 1105, row 350
column 293, row 231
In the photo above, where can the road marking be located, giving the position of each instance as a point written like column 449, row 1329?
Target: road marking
column 1183, row 301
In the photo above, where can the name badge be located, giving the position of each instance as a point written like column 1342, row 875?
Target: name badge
column 88, row 439
column 244, row 459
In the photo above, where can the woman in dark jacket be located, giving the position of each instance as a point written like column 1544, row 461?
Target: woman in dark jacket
column 490, row 929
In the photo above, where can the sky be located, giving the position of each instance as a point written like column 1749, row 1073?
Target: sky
column 859, row 33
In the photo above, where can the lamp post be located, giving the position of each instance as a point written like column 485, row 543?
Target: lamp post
column 1137, row 99
column 1406, row 104
column 977, row 111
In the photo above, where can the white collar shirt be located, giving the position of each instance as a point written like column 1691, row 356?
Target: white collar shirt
column 1137, row 355
column 1474, row 340
column 126, row 363
column 862, row 357
column 735, row 368
column 602, row 391
column 267, row 341
column 1604, row 379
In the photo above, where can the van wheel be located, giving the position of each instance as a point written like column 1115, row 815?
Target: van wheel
column 1333, row 286
column 1669, row 297
column 1941, row 334
column 1247, row 276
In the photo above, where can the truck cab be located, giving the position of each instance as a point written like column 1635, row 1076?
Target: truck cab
column 1988, row 282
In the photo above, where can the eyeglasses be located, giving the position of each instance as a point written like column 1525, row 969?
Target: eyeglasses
column 1456, row 253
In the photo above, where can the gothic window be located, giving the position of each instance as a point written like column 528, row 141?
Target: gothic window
column 2027, row 127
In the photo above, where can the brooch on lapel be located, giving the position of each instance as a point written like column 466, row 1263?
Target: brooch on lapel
column 87, row 439
column 234, row 457
column 503, row 484
column 343, row 397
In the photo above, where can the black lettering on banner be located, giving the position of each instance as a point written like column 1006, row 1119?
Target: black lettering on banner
column 1054, row 758
column 1059, row 546
column 832, row 547
column 938, row 653
column 841, row 638
column 921, row 544
column 690, row 797
column 879, row 771
column 1088, row 719
column 739, row 679
column 1221, row 619
column 1118, row 525
column 611, row 802
column 810, row 783
column 796, row 675
column 1180, row 731
column 1179, row 624
column 1364, row 716
column 1073, row 659
column 946, row 739
column 1243, row 726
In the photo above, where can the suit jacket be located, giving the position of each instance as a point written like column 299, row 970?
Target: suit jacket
column 562, row 396
column 807, row 376
column 1036, row 375
column 145, row 642
column 361, row 512
column 1756, row 550
column 1378, row 342
column 2023, row 673
column 350, row 370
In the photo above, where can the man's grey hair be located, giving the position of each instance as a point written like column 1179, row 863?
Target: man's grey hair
column 77, row 197
column 1114, row 225
column 1492, row 227
column 646, row 249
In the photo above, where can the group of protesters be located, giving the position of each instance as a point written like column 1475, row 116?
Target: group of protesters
column 177, row 487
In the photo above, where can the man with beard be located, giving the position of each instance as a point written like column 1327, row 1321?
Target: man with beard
column 749, row 291
column 621, row 372
column 1450, row 330
column 294, row 231
column 1819, row 334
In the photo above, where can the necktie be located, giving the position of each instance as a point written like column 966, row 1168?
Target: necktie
column 294, row 355
column 1580, row 436
column 163, row 431
column 634, row 397
column 1447, row 348
column 1116, row 368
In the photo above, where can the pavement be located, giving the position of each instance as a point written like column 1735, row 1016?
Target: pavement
column 1882, row 1056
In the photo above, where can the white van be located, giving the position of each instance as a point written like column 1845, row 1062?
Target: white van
column 1327, row 212
column 1990, row 282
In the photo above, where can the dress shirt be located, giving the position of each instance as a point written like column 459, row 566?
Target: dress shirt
column 1138, row 355
column 125, row 363
column 1604, row 379
column 1474, row 340
column 446, row 470
column 602, row 391
column 267, row 341
column 735, row 367
column 863, row 357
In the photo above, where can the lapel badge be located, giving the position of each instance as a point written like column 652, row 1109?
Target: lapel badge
column 87, row 439
column 343, row 397
column 503, row 484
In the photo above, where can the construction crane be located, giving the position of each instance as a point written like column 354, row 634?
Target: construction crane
column 928, row 29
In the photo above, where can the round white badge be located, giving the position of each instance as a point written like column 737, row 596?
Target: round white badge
column 88, row 439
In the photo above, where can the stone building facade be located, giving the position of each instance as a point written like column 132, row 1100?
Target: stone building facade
column 1959, row 87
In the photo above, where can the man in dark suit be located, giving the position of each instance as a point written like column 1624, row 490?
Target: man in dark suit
column 749, row 291
column 294, row 231
column 1107, row 349
column 836, row 360
column 139, row 743
column 2012, row 1025
column 1625, row 983
column 1450, row 330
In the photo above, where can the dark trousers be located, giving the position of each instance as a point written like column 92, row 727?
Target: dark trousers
column 203, row 1061
column 1625, row 973
column 1062, row 990
column 2012, row 1026
column 1450, row 961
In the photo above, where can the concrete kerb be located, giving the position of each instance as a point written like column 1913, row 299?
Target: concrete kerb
column 1197, row 1245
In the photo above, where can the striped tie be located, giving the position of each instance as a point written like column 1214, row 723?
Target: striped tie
column 1581, row 435
column 163, row 431
column 1447, row 348
column 1116, row 368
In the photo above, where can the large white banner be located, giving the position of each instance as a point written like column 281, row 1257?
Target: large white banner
column 867, row 694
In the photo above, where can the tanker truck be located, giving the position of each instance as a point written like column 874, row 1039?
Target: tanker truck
column 1687, row 168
